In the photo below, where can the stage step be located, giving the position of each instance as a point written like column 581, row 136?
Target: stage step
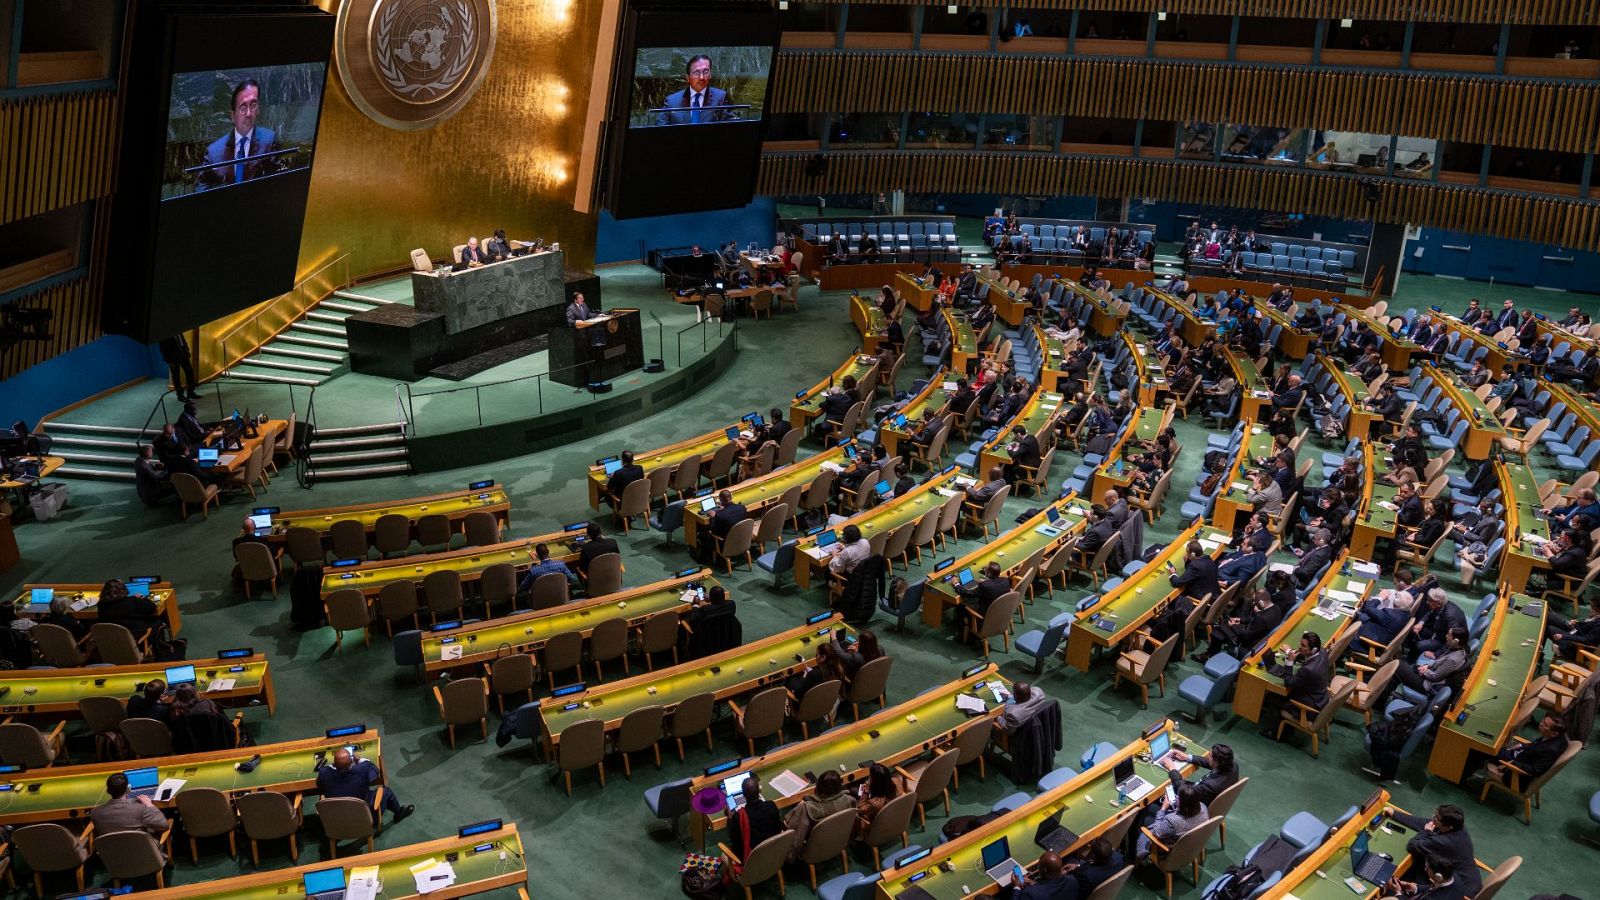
column 86, row 472
column 343, row 306
column 384, row 427
column 364, row 471
column 363, row 298
column 73, row 456
column 347, row 443
column 318, row 315
column 336, row 459
column 130, row 444
column 268, row 377
column 311, row 351
column 265, row 360
column 297, row 353
column 53, row 428
column 328, row 330
column 293, row 338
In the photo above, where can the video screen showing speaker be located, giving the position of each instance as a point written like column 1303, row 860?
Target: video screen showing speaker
column 218, row 144
column 692, row 86
column 689, row 107
column 229, row 126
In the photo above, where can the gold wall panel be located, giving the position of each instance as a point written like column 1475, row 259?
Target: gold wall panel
column 507, row 160
column 1553, row 220
column 1516, row 12
column 1543, row 115
column 55, row 151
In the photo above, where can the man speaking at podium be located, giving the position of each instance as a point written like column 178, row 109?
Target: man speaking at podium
column 577, row 311
column 242, row 142
column 699, row 102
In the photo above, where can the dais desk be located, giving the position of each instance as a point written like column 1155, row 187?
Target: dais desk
column 1133, row 603
column 1255, row 682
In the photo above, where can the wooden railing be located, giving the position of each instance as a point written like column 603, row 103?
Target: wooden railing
column 60, row 66
column 1546, row 115
column 1552, row 220
column 1515, row 12
column 229, row 340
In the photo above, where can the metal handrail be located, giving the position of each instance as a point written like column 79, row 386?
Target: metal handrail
column 288, row 308
column 408, row 408
column 161, row 403
column 704, row 336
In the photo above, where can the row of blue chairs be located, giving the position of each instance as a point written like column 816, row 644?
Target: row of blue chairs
column 945, row 232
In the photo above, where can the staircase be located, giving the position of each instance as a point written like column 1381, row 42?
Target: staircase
column 358, row 451
column 96, row 451
column 312, row 350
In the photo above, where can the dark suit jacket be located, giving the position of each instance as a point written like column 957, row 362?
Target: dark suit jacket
column 262, row 140
column 1063, row 888
column 1311, row 563
column 1410, row 512
column 836, row 404
column 576, row 313
column 1308, row 683
column 1242, row 566
column 1027, row 452
column 679, row 113
column 726, row 517
column 137, row 614
column 623, row 477
column 765, row 821
column 594, row 549
column 1198, row 578
column 1454, row 847
column 1211, row 785
column 1255, row 627
column 470, row 255
column 1091, row 876
column 1536, row 757
column 1435, row 625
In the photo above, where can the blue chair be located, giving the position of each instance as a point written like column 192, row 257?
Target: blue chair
column 1583, row 461
column 1304, row 830
column 910, row 603
column 1594, row 815
column 850, row 886
column 670, row 801
column 1041, row 645
column 669, row 519
column 1010, row 802
column 1207, row 690
column 1097, row 754
column 1453, row 440
column 408, row 649
column 779, row 561
column 1056, row 778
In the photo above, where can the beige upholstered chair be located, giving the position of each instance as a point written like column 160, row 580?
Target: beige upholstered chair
column 391, row 535
column 348, row 538
column 658, row 634
column 892, row 823
column 134, row 854
column 692, row 716
column 115, row 644
column 442, row 590
column 605, row 573
column 481, row 529
column 1184, row 853
column 497, row 586
column 205, row 813
column 47, row 848
column 268, row 816
column 996, row 621
column 257, row 564
column 397, row 601
column 641, row 729
column 582, row 744
column 562, row 653
column 22, row 744
column 1525, row 789
column 870, row 684
column 147, row 737
column 1146, row 665
column 827, row 839
column 420, row 261
column 463, row 702
column 1497, row 879
column 608, row 641
column 1111, row 887
column 1315, row 722
column 762, row 716
column 348, row 819
column 764, row 863
column 191, row 492
column 818, row 703
column 57, row 645
column 930, row 780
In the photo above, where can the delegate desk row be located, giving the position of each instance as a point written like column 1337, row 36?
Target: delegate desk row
column 235, row 678
column 34, row 599
column 274, row 525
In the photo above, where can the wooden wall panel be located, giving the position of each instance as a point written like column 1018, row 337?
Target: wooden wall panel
column 1554, row 220
column 1545, row 115
column 1516, row 12
column 55, row 151
column 75, row 322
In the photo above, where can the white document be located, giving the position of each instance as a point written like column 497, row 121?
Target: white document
column 220, row 684
column 169, row 787
column 969, row 703
column 433, row 875
column 81, row 605
column 1344, row 597
column 1366, row 568
column 788, row 783
column 451, row 651
column 1281, row 567
column 1357, row 588
column 227, row 459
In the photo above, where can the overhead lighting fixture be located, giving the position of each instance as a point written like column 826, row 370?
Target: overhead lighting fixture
column 1161, row 16
column 783, row 4
column 952, row 9
column 1347, row 23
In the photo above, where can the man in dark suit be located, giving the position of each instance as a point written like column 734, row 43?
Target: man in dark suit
column 1025, row 454
column 189, row 427
column 1570, row 634
column 175, row 353
column 1305, row 673
column 1007, row 408
column 728, row 514
column 621, row 478
column 1239, row 634
column 595, row 545
column 1291, row 395
column 1444, row 837
column 1098, row 862
column 1436, row 620
column 1101, row 528
column 1218, row 763
column 1241, row 565
column 962, row 399
column 578, row 310
column 1532, row 758
column 1199, row 575
column 992, row 587
column 1506, row 318
column 472, row 256
column 241, row 142
column 174, row 453
column 1319, row 555
column 984, row 493
column 839, row 249
column 1049, row 881
column 698, row 102
column 118, row 607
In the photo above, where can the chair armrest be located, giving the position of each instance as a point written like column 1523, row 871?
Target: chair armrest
column 55, row 733
column 377, row 799
column 238, row 726
column 727, row 853
column 737, row 712
column 1305, row 711
column 86, row 837
column 165, row 840
column 439, row 699
column 907, row 776
column 1154, row 840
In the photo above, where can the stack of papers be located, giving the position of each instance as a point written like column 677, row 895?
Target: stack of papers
column 1366, row 568
column 81, row 605
column 433, row 875
column 170, row 787
column 223, row 684
column 1356, row 587
column 970, row 704
column 788, row 783
column 363, row 884
column 1280, row 567
column 450, row 651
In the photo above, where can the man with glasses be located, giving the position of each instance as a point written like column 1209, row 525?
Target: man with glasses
column 244, row 144
column 698, row 102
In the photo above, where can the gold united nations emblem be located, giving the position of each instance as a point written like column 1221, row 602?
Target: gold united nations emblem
column 410, row 64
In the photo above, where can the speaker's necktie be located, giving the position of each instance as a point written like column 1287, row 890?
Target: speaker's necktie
column 243, row 151
column 694, row 115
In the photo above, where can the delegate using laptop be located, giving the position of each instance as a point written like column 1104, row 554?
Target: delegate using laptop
column 1374, row 868
column 997, row 861
column 143, row 782
column 1129, row 784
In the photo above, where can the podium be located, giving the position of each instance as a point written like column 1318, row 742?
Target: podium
column 597, row 349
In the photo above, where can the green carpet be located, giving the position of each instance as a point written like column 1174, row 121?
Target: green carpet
column 605, row 836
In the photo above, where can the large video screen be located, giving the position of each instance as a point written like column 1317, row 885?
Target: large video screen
column 699, row 86
column 218, row 146
column 229, row 126
column 691, row 95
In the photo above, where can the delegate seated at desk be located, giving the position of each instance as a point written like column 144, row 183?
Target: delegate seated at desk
column 471, row 256
column 125, row 813
column 543, row 565
column 350, row 776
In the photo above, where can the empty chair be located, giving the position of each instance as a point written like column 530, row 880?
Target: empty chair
column 1041, row 645
column 482, row 529
column 582, row 744
column 133, row 854
column 147, row 737
column 191, row 492
column 56, row 645
column 869, row 684
column 206, row 813
column 391, row 534
column 1496, row 879
column 22, row 744
column 562, row 653
column 115, row 644
column 1211, row 688
column 434, row 532
column 511, row 675
column 268, row 816
column 348, row 538
column 1146, row 666
column 762, row 716
column 347, row 610
column 304, row 546
column 818, row 703
column 692, row 716
column 256, row 565
column 397, row 601
column 640, row 730
column 442, row 590
column 463, row 702
column 931, row 780
column 608, row 641
column 497, row 586
column 47, row 848
column 659, row 634
column 605, row 575
column 104, row 717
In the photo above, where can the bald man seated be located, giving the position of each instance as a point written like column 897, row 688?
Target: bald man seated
column 1049, row 881
column 349, row 776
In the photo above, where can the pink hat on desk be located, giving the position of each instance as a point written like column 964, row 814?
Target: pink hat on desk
column 709, row 801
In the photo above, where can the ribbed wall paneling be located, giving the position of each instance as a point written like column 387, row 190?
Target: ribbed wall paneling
column 1516, row 12
column 1545, row 115
column 75, row 321
column 55, row 151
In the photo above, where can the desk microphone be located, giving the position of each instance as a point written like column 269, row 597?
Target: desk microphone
column 1473, row 707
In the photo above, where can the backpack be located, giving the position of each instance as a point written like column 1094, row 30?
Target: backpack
column 1240, row 881
column 960, row 825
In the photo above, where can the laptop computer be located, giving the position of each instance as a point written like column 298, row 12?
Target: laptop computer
column 41, row 597
column 180, row 675
column 1161, row 748
column 1373, row 868
column 325, row 884
column 733, row 789
column 1129, row 784
column 827, row 539
column 612, row 465
column 1052, row 836
column 884, row 489
column 139, row 589
column 143, row 782
column 708, row 504
column 262, row 523
column 965, row 577
column 732, row 432
column 997, row 861
column 206, row 457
